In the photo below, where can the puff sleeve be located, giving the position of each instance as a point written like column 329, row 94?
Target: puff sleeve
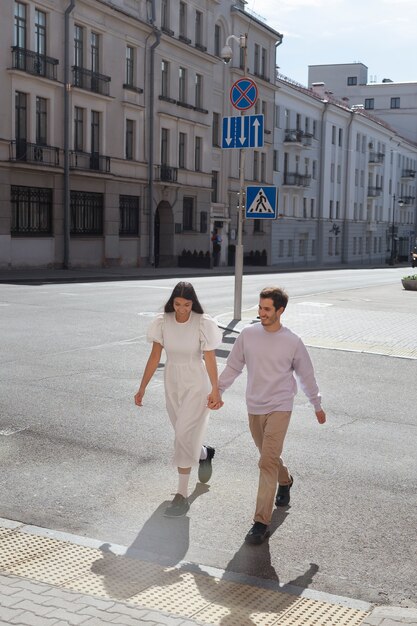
column 155, row 330
column 210, row 333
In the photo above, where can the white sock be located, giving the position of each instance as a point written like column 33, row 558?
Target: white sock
column 183, row 480
column 203, row 453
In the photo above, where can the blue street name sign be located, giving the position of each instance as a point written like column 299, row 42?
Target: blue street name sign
column 261, row 203
column 243, row 131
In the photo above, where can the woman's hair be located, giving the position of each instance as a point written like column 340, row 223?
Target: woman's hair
column 186, row 291
column 278, row 296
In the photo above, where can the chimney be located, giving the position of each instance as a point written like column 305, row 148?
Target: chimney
column 319, row 89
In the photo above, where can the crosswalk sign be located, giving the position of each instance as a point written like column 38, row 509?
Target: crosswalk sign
column 261, row 202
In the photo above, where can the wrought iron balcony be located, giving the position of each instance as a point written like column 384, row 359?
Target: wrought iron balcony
column 307, row 139
column 23, row 151
column 374, row 192
column 91, row 81
column 34, row 63
column 408, row 174
column 167, row 173
column 376, row 158
column 89, row 161
column 294, row 179
column 408, row 200
column 293, row 135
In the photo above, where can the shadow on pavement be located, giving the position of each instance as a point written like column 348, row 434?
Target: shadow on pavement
column 240, row 603
column 162, row 541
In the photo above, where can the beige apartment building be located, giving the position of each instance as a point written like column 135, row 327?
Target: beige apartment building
column 110, row 134
column 112, row 151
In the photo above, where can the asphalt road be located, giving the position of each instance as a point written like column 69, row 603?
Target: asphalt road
column 77, row 455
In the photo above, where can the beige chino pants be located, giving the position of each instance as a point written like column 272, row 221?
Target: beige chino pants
column 268, row 432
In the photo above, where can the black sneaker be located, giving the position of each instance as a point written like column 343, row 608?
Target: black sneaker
column 257, row 534
column 283, row 494
column 204, row 469
column 178, row 507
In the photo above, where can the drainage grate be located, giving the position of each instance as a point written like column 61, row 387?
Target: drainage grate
column 176, row 591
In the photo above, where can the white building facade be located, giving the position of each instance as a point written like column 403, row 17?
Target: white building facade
column 346, row 183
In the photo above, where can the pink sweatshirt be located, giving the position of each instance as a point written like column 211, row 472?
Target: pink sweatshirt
column 271, row 359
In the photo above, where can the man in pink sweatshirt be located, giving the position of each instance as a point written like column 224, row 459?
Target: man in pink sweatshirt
column 272, row 354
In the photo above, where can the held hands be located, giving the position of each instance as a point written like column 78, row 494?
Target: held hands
column 214, row 400
column 321, row 416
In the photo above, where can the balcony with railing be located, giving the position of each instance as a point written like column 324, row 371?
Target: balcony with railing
column 89, row 161
column 34, row 63
column 91, row 81
column 294, row 179
column 167, row 174
column 408, row 200
column 408, row 174
column 376, row 158
column 293, row 136
column 307, row 139
column 25, row 152
column 374, row 192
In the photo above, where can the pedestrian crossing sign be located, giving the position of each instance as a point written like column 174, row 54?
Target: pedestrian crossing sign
column 261, row 202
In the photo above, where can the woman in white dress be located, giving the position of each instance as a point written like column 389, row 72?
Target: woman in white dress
column 187, row 334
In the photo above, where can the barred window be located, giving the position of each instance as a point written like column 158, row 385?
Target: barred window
column 31, row 211
column 86, row 213
column 129, row 215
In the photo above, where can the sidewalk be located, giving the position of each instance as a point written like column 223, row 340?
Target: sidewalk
column 149, row 273
column 49, row 578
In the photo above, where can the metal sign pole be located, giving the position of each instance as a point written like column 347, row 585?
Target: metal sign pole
column 237, row 314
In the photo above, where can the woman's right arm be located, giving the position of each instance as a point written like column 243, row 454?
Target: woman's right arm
column 151, row 365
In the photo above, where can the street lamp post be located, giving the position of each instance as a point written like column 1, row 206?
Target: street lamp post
column 226, row 54
column 400, row 203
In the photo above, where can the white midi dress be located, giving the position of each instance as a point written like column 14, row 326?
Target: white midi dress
column 186, row 380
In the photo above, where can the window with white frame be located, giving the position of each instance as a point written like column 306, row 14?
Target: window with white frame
column 130, row 66
column 41, row 121
column 183, row 19
column 182, row 147
column 164, row 146
column 217, row 40
column 20, row 27
column 40, row 32
column 198, row 153
column 95, row 52
column 164, row 79
column 198, row 91
column 78, row 48
column 78, row 129
column 198, row 28
column 165, row 21
column 130, row 139
column 216, row 130
column 188, row 217
column 182, row 84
